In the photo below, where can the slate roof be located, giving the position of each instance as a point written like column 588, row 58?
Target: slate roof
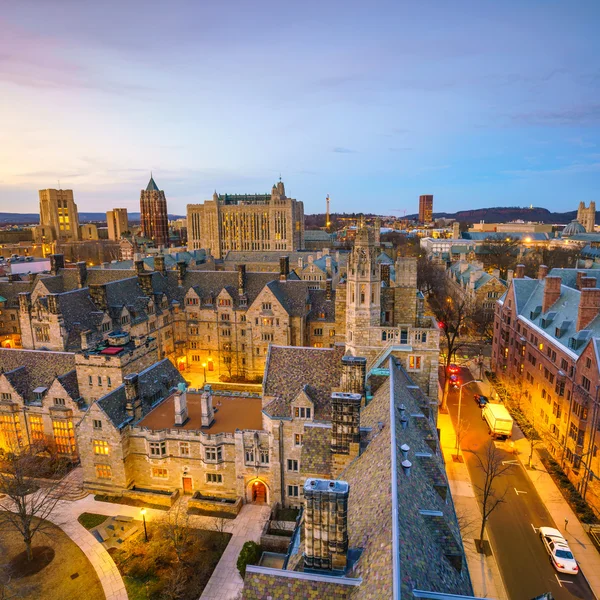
column 569, row 276
column 152, row 187
column 158, row 379
column 11, row 291
column 463, row 278
column 290, row 369
column 320, row 305
column 529, row 294
column 28, row 369
column 315, row 456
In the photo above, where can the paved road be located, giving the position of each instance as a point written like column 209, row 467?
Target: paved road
column 522, row 559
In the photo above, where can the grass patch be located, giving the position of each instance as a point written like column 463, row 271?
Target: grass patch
column 48, row 580
column 168, row 565
column 128, row 501
column 91, row 520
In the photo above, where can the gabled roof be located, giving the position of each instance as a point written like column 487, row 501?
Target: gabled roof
column 290, row 369
column 157, row 380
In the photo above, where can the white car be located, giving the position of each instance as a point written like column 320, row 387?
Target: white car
column 557, row 547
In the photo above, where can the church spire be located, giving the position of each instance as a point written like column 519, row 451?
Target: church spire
column 152, row 187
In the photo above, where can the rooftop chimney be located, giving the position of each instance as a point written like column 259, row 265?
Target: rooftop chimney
column 139, row 266
column 53, row 307
column 81, row 273
column 181, row 271
column 326, row 525
column 520, row 272
column 385, row 274
column 145, row 281
column 206, row 407
column 180, row 405
column 588, row 282
column 354, row 371
column 241, row 269
column 57, row 261
column 509, row 275
column 98, row 295
column 589, row 307
column 284, row 267
column 542, row 272
column 159, row 263
column 132, row 403
column 328, row 289
column 551, row 292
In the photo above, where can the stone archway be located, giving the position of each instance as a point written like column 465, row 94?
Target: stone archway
column 257, row 492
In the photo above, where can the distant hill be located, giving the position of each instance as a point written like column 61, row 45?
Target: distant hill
column 504, row 214
column 84, row 217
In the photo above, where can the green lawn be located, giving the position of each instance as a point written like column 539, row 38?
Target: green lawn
column 91, row 520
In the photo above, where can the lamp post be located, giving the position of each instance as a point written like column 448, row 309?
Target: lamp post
column 143, row 511
column 204, row 367
column 460, row 387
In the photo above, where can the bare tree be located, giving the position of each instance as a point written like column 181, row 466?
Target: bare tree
column 176, row 585
column 462, row 428
column 219, row 524
column 176, row 529
column 490, row 463
column 28, row 501
column 499, row 252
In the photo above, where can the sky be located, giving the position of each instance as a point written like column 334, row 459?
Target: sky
column 481, row 103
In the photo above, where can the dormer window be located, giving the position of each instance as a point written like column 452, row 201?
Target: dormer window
column 38, row 393
column 59, row 401
column 302, row 413
column 124, row 319
column 224, row 301
column 5, row 396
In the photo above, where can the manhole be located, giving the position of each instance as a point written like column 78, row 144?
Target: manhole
column 75, row 576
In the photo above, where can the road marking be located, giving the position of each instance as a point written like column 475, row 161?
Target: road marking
column 535, row 529
column 557, row 579
column 561, row 581
column 519, row 492
column 510, row 462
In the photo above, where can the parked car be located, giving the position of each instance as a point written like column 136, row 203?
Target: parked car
column 481, row 400
column 557, row 547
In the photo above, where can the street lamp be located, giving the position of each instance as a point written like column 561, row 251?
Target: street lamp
column 460, row 387
column 204, row 367
column 143, row 511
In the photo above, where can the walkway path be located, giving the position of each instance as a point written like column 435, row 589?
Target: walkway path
column 225, row 582
column 485, row 575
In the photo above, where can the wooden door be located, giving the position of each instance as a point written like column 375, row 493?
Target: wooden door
column 187, row 485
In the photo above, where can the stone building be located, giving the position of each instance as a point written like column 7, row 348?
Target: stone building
column 383, row 527
column 545, row 347
column 10, row 328
column 117, row 223
column 469, row 281
column 247, row 222
column 153, row 214
column 587, row 216
column 59, row 219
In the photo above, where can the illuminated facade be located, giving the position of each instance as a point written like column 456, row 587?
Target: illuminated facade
column 59, row 219
column 247, row 222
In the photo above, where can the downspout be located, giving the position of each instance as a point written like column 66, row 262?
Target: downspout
column 395, row 524
column 281, row 462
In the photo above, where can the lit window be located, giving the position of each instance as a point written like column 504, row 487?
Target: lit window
column 64, row 436
column 160, row 472
column 100, row 447
column 103, row 471
column 36, row 428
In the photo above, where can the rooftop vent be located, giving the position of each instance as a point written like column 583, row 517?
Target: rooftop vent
column 405, row 448
column 406, row 465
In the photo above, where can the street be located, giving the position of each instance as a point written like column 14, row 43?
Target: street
column 512, row 527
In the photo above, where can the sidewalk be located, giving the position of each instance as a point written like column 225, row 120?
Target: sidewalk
column 584, row 550
column 485, row 575
column 225, row 582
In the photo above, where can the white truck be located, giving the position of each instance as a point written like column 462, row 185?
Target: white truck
column 499, row 421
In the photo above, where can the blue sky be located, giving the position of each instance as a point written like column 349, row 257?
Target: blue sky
column 480, row 103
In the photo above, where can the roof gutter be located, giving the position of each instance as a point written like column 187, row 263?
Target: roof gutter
column 395, row 524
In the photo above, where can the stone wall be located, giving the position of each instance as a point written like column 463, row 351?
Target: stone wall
column 215, row 505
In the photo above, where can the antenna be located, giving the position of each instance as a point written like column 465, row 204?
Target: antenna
column 59, row 184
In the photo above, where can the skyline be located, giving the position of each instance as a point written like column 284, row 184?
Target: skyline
column 479, row 105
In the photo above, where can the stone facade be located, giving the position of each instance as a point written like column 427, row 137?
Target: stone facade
column 153, row 214
column 59, row 219
column 117, row 223
column 587, row 216
column 243, row 222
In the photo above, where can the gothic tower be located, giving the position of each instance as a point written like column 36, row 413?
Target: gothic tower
column 363, row 292
column 153, row 214
column 587, row 216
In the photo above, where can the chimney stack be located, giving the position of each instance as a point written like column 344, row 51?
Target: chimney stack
column 509, row 275
column 284, row 267
column 326, row 524
column 180, row 405
column 520, row 272
column 328, row 289
column 551, row 292
column 206, row 406
column 139, row 266
column 385, row 274
column 81, row 273
column 57, row 262
column 145, row 281
column 181, row 271
column 542, row 272
column 589, row 307
column 98, row 295
column 354, row 372
column 25, row 302
column 132, row 404
column 241, row 269
column 159, row 263
column 52, row 300
column 588, row 282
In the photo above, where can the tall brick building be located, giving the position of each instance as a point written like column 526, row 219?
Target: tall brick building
column 153, row 214
column 242, row 222
column 426, row 208
column 546, row 346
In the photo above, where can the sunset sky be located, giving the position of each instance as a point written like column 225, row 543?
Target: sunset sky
column 479, row 103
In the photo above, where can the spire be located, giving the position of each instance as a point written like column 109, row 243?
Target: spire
column 152, row 187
